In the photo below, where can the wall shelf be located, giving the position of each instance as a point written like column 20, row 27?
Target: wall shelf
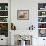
column 41, row 10
column 3, row 22
column 41, row 28
column 41, row 22
column 3, row 16
column 4, row 19
column 3, row 10
column 42, row 19
column 42, row 16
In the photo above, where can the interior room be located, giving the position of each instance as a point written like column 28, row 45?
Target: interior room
column 22, row 22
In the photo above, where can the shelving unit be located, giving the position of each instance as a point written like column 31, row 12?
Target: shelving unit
column 4, row 19
column 42, row 19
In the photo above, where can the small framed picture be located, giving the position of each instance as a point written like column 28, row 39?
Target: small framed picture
column 23, row 14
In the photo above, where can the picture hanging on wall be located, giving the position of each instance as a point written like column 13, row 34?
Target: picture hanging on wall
column 23, row 14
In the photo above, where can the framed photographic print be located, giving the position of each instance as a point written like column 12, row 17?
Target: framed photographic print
column 23, row 14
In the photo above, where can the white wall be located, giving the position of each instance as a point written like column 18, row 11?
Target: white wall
column 32, row 6
column 21, row 5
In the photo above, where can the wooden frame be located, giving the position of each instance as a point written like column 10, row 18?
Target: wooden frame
column 23, row 14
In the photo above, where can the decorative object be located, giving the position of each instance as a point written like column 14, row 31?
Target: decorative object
column 41, row 25
column 42, row 32
column 0, row 7
column 3, row 19
column 3, row 26
column 41, row 6
column 23, row 14
column 23, row 40
column 6, row 7
column 3, row 6
column 41, row 19
column 3, row 13
column 43, row 13
column 31, row 27
column 4, row 29
column 13, row 27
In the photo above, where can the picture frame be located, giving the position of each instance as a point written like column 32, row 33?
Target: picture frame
column 22, row 14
